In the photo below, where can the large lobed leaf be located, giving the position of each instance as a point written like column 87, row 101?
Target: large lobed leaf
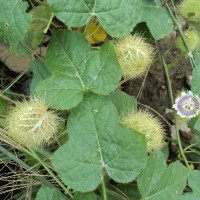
column 157, row 18
column 40, row 73
column 194, row 182
column 98, row 144
column 47, row 193
column 117, row 17
column 14, row 21
column 84, row 196
column 159, row 181
column 123, row 102
column 194, row 124
column 78, row 69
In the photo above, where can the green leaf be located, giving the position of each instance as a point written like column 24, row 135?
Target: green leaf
column 98, row 144
column 40, row 73
column 194, row 182
column 118, row 17
column 84, row 196
column 195, row 155
column 123, row 192
column 159, row 181
column 157, row 18
column 48, row 193
column 194, row 124
column 78, row 69
column 190, row 196
column 123, row 102
column 14, row 21
column 195, row 83
column 22, row 48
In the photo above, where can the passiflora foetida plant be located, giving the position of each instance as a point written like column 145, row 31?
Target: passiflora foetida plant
column 82, row 60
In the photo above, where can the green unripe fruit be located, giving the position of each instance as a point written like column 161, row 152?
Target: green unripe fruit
column 135, row 55
column 148, row 125
column 31, row 124
column 190, row 9
column 192, row 39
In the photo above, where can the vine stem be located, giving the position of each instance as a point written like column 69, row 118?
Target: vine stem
column 175, row 121
column 190, row 55
column 186, row 147
column 103, row 188
column 51, row 173
column 174, row 8
column 170, row 93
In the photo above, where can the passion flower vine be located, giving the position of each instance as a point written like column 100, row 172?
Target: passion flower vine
column 187, row 105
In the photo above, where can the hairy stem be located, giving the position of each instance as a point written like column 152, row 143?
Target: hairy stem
column 175, row 121
column 170, row 93
column 103, row 188
column 174, row 8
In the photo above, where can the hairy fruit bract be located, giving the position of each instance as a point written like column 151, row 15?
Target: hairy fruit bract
column 190, row 9
column 135, row 55
column 147, row 124
column 192, row 39
column 31, row 124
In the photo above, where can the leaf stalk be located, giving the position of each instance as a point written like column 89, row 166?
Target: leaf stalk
column 103, row 188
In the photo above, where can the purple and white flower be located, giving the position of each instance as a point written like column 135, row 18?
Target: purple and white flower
column 187, row 105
